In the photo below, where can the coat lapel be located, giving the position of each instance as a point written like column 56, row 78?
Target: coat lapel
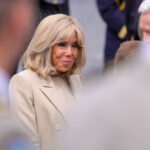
column 49, row 90
column 75, row 82
column 56, row 92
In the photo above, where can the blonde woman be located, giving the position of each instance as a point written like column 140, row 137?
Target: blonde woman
column 43, row 92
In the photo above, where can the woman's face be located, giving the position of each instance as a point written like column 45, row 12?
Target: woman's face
column 64, row 54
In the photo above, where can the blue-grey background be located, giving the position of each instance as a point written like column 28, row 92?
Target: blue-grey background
column 86, row 12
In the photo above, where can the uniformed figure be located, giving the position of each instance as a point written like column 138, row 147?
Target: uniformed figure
column 112, row 11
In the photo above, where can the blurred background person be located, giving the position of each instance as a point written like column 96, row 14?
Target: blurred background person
column 144, row 10
column 113, row 13
column 17, row 18
column 44, row 91
column 130, row 48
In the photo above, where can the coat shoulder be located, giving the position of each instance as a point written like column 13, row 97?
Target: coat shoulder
column 27, row 75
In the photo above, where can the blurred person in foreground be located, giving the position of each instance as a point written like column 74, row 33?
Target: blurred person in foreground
column 49, row 85
column 127, row 51
column 17, row 18
column 144, row 10
column 115, row 114
column 16, row 22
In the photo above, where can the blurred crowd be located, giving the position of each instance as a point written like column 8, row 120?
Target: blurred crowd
column 44, row 103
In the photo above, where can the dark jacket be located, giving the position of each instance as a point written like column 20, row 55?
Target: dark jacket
column 49, row 8
column 132, row 17
column 112, row 12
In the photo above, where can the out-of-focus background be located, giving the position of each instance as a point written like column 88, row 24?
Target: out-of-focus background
column 86, row 12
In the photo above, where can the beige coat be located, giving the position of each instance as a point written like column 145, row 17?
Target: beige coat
column 42, row 104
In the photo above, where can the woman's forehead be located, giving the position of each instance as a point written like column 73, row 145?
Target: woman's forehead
column 69, row 38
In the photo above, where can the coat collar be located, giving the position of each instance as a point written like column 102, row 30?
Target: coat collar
column 47, row 83
column 73, row 79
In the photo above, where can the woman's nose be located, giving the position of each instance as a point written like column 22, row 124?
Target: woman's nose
column 68, row 50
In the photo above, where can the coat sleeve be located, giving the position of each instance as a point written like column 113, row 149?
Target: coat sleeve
column 22, row 105
column 113, row 17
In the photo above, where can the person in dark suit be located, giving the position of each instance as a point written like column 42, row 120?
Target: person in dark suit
column 113, row 13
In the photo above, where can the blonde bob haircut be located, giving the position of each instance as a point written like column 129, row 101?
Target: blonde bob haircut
column 51, row 31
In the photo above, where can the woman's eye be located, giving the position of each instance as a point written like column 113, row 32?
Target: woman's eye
column 62, row 44
column 75, row 45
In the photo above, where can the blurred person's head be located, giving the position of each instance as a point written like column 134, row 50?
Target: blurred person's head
column 57, row 47
column 17, row 18
column 144, row 10
column 126, row 53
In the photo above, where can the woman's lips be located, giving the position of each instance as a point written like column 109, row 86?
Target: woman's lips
column 66, row 62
